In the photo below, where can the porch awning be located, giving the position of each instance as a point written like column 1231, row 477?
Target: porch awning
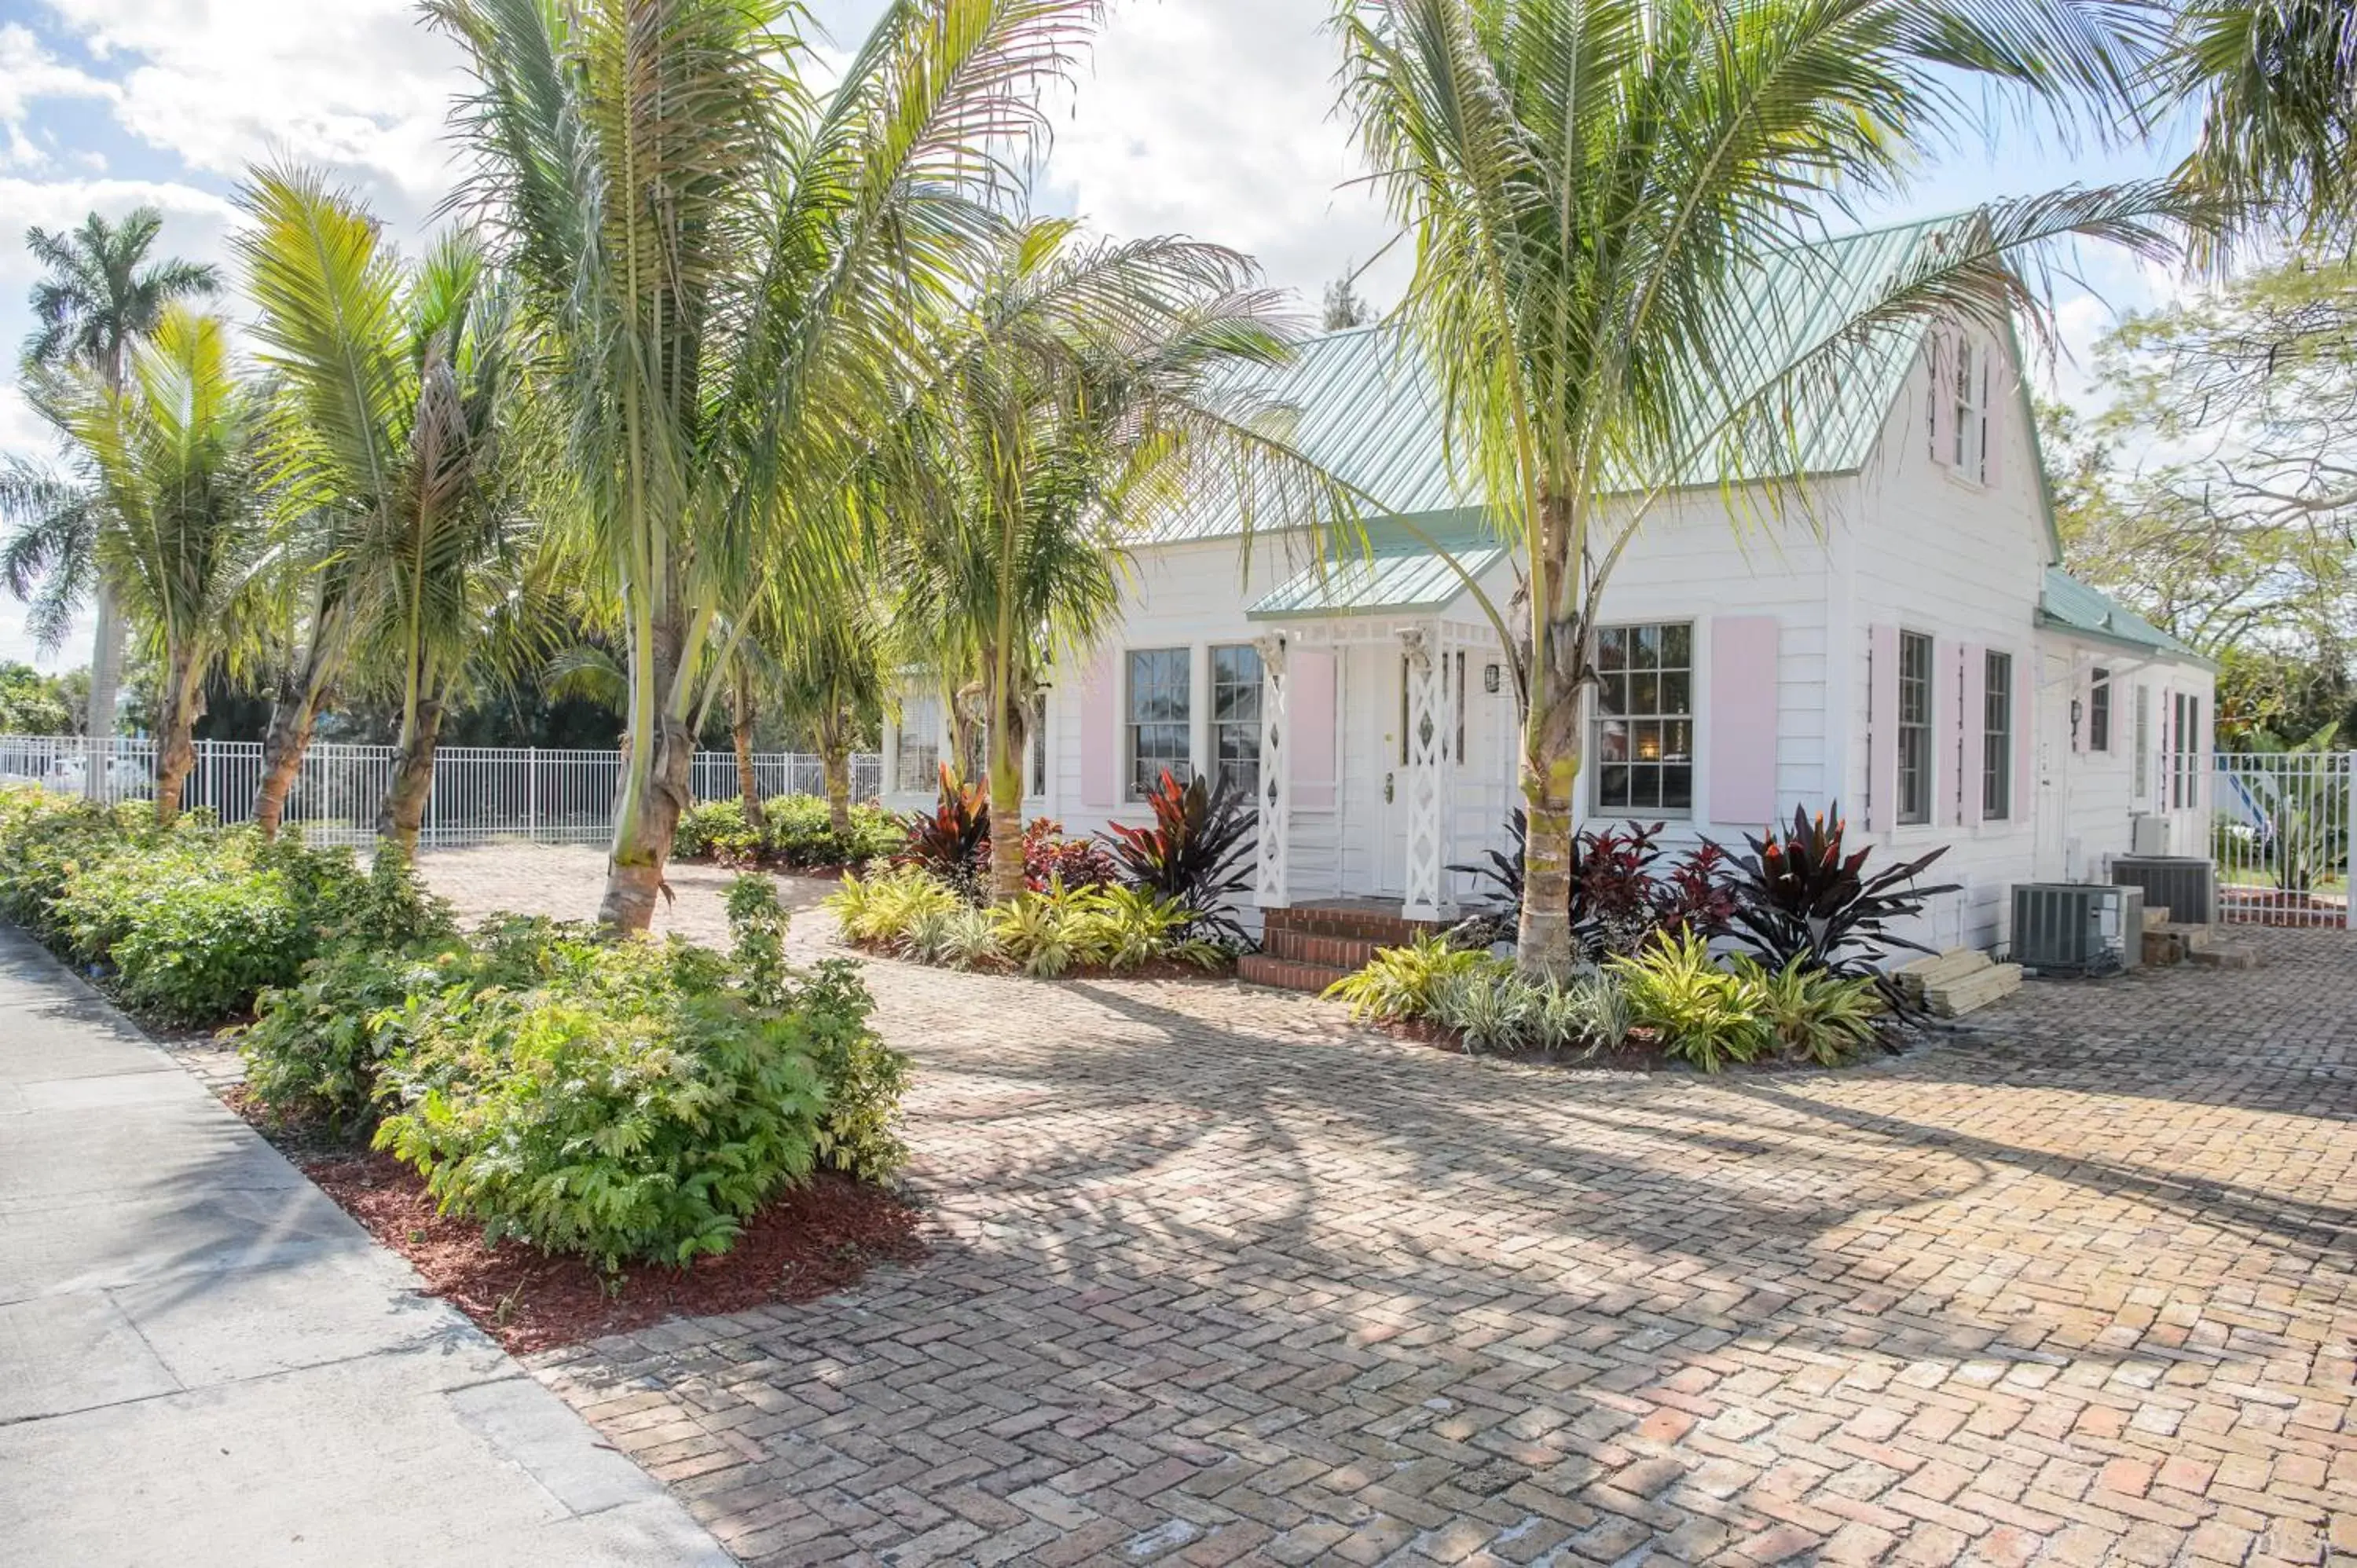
column 1397, row 578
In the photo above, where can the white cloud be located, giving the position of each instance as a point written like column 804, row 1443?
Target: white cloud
column 360, row 85
column 1214, row 119
column 30, row 74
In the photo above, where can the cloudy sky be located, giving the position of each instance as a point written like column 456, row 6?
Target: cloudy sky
column 1208, row 117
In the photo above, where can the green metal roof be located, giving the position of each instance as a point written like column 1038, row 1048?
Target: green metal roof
column 1394, row 575
column 1365, row 404
column 2069, row 604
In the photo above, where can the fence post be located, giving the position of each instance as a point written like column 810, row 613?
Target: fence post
column 532, row 794
column 2349, row 848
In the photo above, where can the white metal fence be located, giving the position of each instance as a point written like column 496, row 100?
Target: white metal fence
column 2281, row 837
column 480, row 792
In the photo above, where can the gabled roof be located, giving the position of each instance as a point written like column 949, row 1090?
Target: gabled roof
column 1398, row 574
column 2068, row 605
column 1367, row 405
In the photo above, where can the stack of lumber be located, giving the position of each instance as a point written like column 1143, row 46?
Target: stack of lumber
column 1960, row 981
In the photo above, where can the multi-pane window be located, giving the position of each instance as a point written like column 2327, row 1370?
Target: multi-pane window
column 1961, row 389
column 1235, row 717
column 919, row 770
column 1038, row 727
column 2185, row 745
column 1996, row 739
column 1644, row 722
column 2099, row 712
column 1159, row 715
column 1914, row 728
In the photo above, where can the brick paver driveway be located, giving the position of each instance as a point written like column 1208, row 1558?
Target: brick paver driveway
column 1220, row 1278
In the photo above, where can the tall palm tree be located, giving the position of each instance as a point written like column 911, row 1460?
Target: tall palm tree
column 393, row 380
column 172, row 460
column 828, row 678
column 2276, row 80
column 1595, row 189
column 731, row 274
column 101, row 298
column 1100, row 379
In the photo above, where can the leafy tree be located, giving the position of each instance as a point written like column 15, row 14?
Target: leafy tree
column 1343, row 308
column 173, row 462
column 32, row 703
column 729, row 274
column 101, row 298
column 1101, row 382
column 2217, row 491
column 1594, row 191
column 393, row 383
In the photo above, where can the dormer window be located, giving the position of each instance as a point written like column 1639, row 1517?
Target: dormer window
column 1963, row 376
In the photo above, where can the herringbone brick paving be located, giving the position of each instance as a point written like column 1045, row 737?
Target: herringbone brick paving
column 1219, row 1278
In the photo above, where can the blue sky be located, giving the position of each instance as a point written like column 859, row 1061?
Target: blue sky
column 1208, row 117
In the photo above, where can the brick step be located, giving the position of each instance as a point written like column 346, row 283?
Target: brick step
column 1328, row 952
column 1285, row 973
column 1364, row 925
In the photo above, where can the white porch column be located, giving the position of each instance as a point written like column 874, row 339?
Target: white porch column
column 1431, row 776
column 1274, row 886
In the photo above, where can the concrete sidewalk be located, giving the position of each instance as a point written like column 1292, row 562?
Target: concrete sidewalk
column 204, row 1361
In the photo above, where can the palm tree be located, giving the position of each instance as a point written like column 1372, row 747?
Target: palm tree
column 829, row 680
column 732, row 274
column 2276, row 80
column 1095, row 377
column 101, row 296
column 393, row 383
column 1594, row 189
column 172, row 461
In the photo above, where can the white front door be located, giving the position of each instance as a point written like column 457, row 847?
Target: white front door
column 2050, row 824
column 1374, row 784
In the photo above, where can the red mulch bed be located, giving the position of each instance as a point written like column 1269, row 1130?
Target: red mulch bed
column 815, row 1239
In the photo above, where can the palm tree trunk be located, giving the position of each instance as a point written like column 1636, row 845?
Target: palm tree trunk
column 289, row 735
column 655, row 786
column 403, row 815
column 177, row 757
column 1551, row 755
column 1002, row 736
column 105, row 690
column 835, row 771
column 740, row 734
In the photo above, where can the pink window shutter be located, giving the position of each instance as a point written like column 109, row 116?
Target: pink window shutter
column 2025, row 734
column 1744, row 720
column 1946, row 671
column 1101, row 742
column 1309, row 723
column 1882, row 730
column 1997, row 402
column 1971, row 727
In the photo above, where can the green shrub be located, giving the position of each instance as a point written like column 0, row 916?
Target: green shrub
column 316, row 1048
column 622, row 1119
column 1815, row 1016
column 716, row 830
column 46, row 839
column 882, row 907
column 801, row 835
column 1698, row 1012
column 1403, row 983
column 1490, row 1007
column 1589, row 1010
column 194, row 923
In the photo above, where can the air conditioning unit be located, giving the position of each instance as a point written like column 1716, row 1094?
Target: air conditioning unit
column 2070, row 927
column 2184, row 885
column 2149, row 836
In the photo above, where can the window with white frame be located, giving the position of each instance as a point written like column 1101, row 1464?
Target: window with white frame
column 1997, row 738
column 919, row 767
column 2099, row 710
column 1161, row 714
column 1963, row 378
column 2185, row 753
column 1914, row 728
column 1643, row 727
column 1235, row 717
column 1038, row 726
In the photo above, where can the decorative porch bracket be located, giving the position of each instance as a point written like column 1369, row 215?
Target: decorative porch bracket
column 1431, row 776
column 1273, row 888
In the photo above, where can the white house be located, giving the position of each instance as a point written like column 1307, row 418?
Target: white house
column 1894, row 633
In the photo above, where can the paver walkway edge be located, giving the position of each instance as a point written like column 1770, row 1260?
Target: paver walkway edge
column 204, row 1361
